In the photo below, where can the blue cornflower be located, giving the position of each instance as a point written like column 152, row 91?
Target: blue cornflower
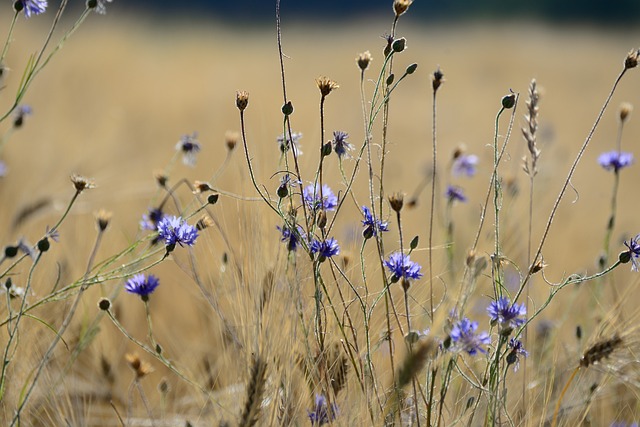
column 325, row 249
column 33, row 7
column 150, row 220
column 517, row 349
column 142, row 285
column 463, row 334
column 454, row 193
column 634, row 251
column 290, row 237
column 465, row 165
column 322, row 413
column 371, row 225
column 175, row 230
column 623, row 424
column 340, row 144
column 20, row 113
column 101, row 7
column 190, row 147
column 615, row 160
column 507, row 315
column 312, row 198
column 285, row 143
column 401, row 267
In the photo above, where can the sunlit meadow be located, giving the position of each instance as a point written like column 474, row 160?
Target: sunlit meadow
column 172, row 257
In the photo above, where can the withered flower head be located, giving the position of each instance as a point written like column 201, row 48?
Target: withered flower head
column 363, row 60
column 103, row 217
column 401, row 6
column 437, row 79
column 140, row 367
column 201, row 187
column 231, row 139
column 326, row 85
column 396, row 200
column 242, row 99
column 81, row 183
column 631, row 61
column 625, row 110
column 161, row 178
column 204, row 222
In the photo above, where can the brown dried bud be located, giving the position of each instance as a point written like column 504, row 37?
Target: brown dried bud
column 201, row 187
column 231, row 139
column 363, row 60
column 459, row 151
column 104, row 304
column 204, row 222
column 161, row 178
column 396, row 201
column 471, row 258
column 437, row 79
column 242, row 99
column 326, row 85
column 81, row 183
column 625, row 110
column 321, row 219
column 140, row 367
column 401, row 6
column 631, row 61
column 103, row 217
column 538, row 266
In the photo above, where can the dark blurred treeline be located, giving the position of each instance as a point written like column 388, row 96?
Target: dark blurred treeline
column 609, row 12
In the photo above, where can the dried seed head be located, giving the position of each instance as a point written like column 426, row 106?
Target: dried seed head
column 104, row 304
column 163, row 386
column 437, row 79
column 363, row 60
column 140, row 367
column 631, row 61
column 103, row 218
column 625, row 110
column 321, row 219
column 231, row 139
column 326, row 85
column 508, row 101
column 242, row 99
column 396, row 200
column 204, row 222
column 201, row 187
column 401, row 6
column 161, row 178
column 458, row 151
column 81, row 183
column 538, row 266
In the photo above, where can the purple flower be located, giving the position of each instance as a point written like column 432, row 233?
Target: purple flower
column 465, row 165
column 340, row 144
column 150, row 220
column 3, row 169
column 312, row 198
column 190, row 147
column 517, row 349
column 401, row 267
column 615, row 160
column 322, row 413
column 507, row 315
column 325, row 249
column 454, row 193
column 371, row 225
column 101, row 7
column 463, row 334
column 142, row 285
column 174, row 230
column 285, row 143
column 21, row 112
column 33, row 7
column 634, row 252
column 290, row 237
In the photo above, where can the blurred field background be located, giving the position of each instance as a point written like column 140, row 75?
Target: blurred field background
column 113, row 105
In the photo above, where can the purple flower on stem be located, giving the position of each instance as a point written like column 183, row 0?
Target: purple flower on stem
column 175, row 230
column 322, row 413
column 190, row 147
column 291, row 238
column 507, row 315
column 312, row 198
column 463, row 334
column 150, row 220
column 633, row 253
column 142, row 285
column 401, row 267
column 454, row 193
column 340, row 144
column 325, row 249
column 615, row 160
column 285, row 143
column 371, row 225
column 33, row 7
column 517, row 349
column 465, row 165
column 21, row 112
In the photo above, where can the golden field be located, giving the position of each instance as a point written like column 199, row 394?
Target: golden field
column 118, row 97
